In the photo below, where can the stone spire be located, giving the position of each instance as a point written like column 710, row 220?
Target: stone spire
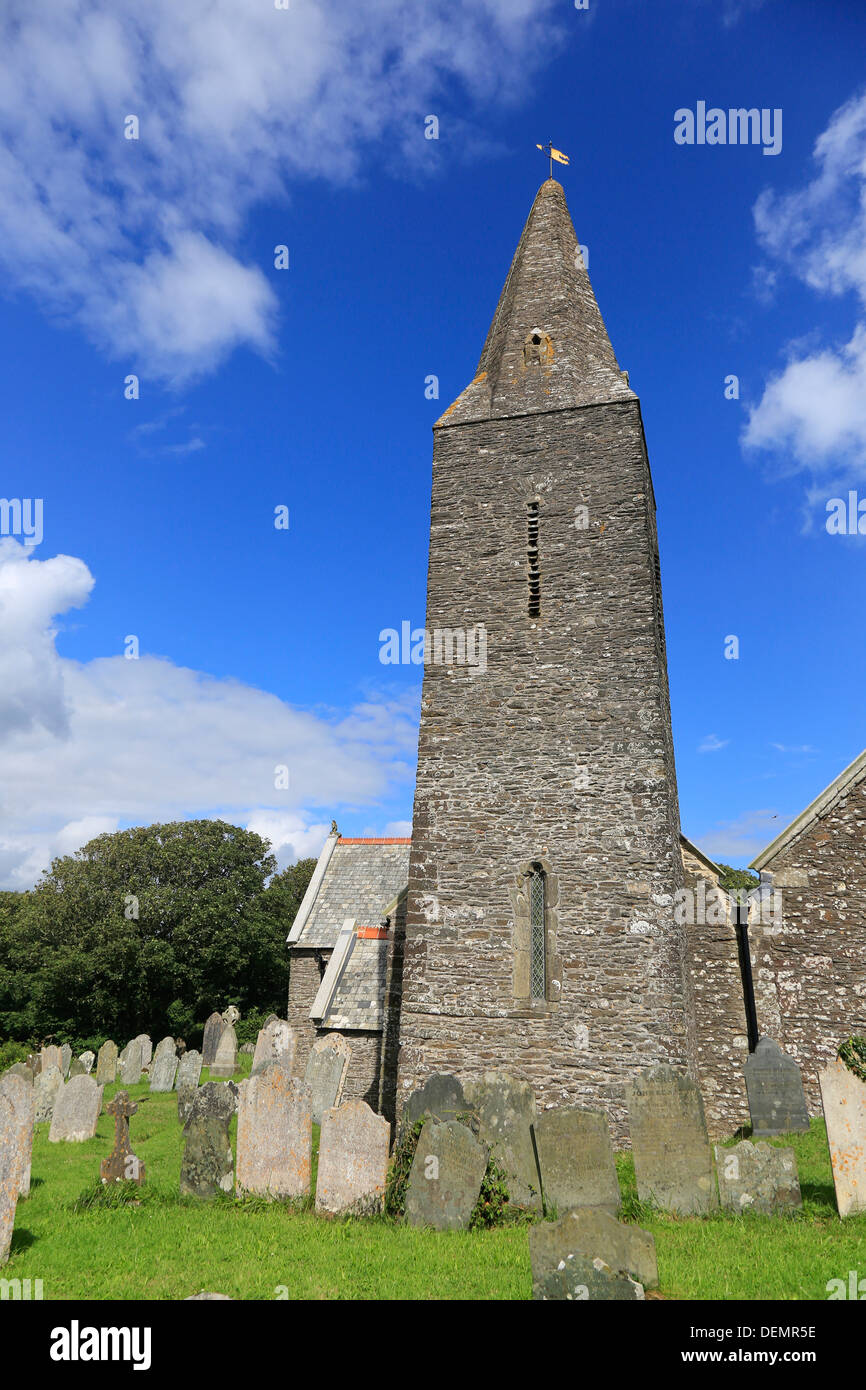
column 547, row 348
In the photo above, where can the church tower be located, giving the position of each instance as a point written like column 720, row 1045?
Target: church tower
column 545, row 854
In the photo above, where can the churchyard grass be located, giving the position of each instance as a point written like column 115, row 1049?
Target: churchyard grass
column 166, row 1247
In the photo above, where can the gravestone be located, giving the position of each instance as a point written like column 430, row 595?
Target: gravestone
column 106, row 1064
column 777, row 1101
column 185, row 1097
column 275, row 1135
column 843, row 1096
column 275, row 1043
column 226, row 1060
column 212, row 1031
column 21, row 1069
column 325, row 1074
column 45, row 1088
column 130, row 1063
column 757, row 1177
column 163, row 1069
column 52, row 1056
column 353, row 1159
column 247, row 1050
column 146, row 1049
column 34, row 1062
column 65, row 1058
column 207, row 1166
column 76, row 1111
column 13, row 1159
column 440, row 1098
column 189, row 1069
column 672, row 1159
column 165, row 1047
column 122, row 1164
column 231, row 1016
column 87, row 1060
column 77, row 1067
column 575, row 1156
column 19, row 1093
column 506, row 1112
column 446, row 1176
column 588, row 1256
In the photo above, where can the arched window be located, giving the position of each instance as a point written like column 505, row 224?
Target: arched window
column 537, row 971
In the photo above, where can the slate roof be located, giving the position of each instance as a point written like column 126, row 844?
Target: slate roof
column 357, row 1000
column 358, row 879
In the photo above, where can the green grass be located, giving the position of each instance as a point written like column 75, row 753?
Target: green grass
column 166, row 1247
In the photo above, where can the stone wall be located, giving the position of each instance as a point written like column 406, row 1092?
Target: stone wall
column 305, row 975
column 561, row 753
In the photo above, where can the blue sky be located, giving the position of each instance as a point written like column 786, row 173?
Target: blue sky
column 304, row 387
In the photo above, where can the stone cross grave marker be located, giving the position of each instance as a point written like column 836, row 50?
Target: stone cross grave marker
column 122, row 1164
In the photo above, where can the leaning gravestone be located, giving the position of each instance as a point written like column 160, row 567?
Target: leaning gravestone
column 777, row 1101
column 843, row 1096
column 757, row 1177
column 146, row 1049
column 188, row 1070
column 353, row 1159
column 65, row 1058
column 275, row 1043
column 12, row 1163
column 163, row 1069
column 226, row 1059
column 76, row 1110
column 19, row 1093
column 130, row 1064
column 87, row 1060
column 275, row 1135
column 45, row 1088
column 672, row 1159
column 575, row 1156
column 589, row 1256
column 106, row 1064
column 446, row 1176
column 506, row 1112
column 122, row 1164
column 325, row 1074
column 440, row 1098
column 212, row 1032
column 207, row 1166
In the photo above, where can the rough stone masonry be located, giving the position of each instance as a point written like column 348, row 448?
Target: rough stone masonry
column 557, row 759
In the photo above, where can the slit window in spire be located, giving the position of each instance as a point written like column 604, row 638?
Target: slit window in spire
column 533, row 568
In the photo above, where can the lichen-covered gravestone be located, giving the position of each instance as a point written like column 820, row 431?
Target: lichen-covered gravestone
column 45, row 1088
column 575, row 1155
column 106, row 1064
column 275, row 1043
column 185, row 1097
column 774, row 1085
column 207, row 1166
column 843, row 1096
column 758, row 1177
column 440, row 1098
column 146, row 1048
column 226, row 1059
column 13, row 1158
column 275, row 1135
column 87, row 1060
column 77, row 1067
column 65, row 1058
column 163, row 1069
column 353, row 1159
column 130, row 1063
column 587, row 1256
column 325, row 1074
column 212, row 1031
column 189, row 1070
column 672, row 1158
column 20, row 1095
column 21, row 1069
column 52, row 1056
column 122, row 1165
column 506, row 1111
column 446, row 1176
column 76, row 1110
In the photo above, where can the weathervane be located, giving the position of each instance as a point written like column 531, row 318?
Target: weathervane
column 552, row 155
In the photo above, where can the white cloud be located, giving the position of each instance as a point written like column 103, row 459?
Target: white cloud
column 794, row 748
column 814, row 409
column 138, row 238
column 87, row 747
column 712, row 743
column 740, row 839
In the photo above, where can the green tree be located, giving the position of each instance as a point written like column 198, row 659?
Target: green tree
column 729, row 878
column 148, row 929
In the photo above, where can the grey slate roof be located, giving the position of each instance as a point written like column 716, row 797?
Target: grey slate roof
column 359, row 994
column 362, row 878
